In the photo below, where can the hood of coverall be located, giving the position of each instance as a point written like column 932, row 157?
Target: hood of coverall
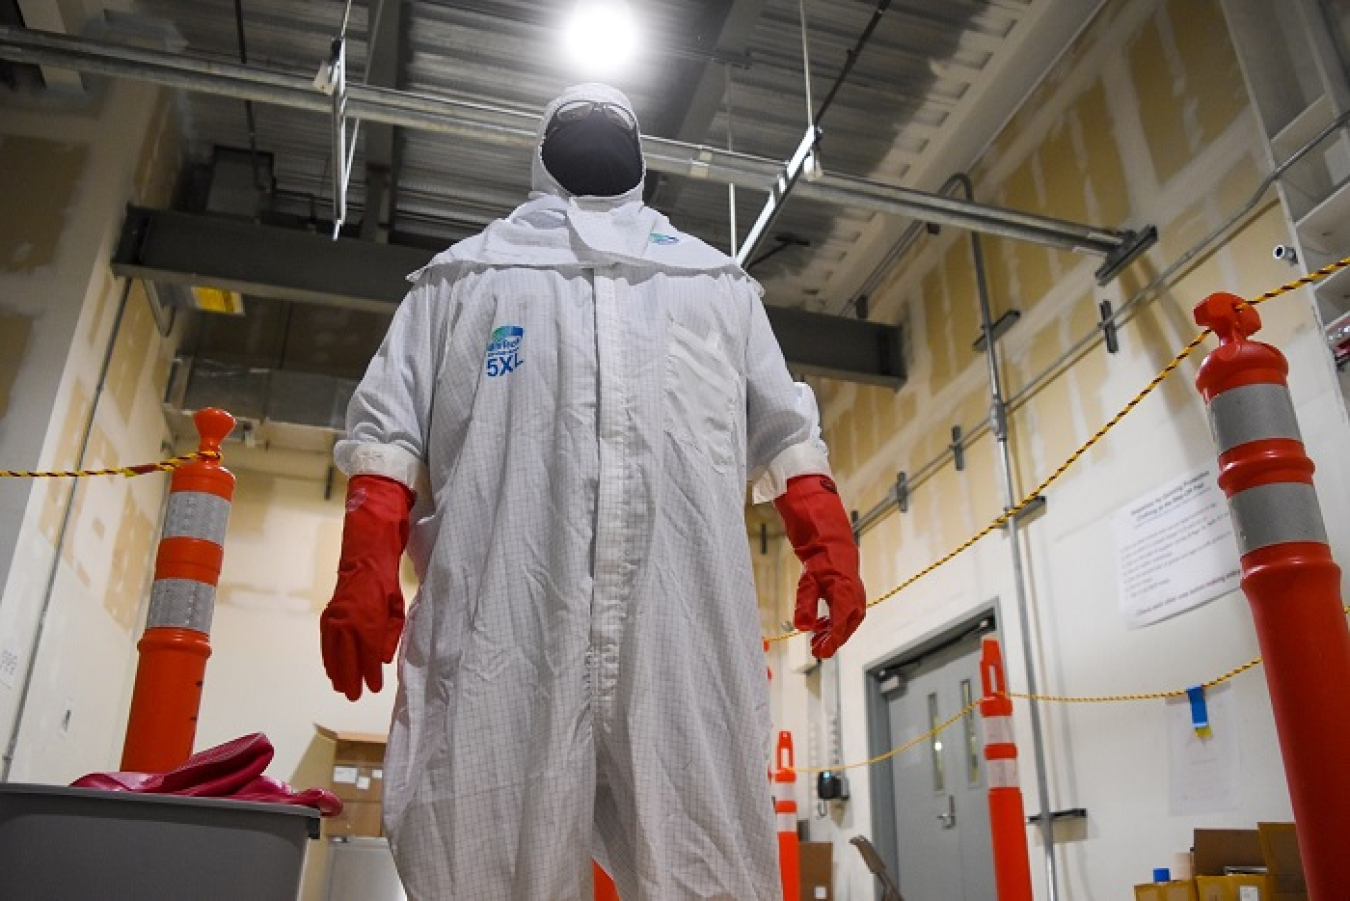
column 555, row 228
column 543, row 182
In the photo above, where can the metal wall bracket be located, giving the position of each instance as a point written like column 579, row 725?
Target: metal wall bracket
column 958, row 449
column 999, row 328
column 902, row 492
column 1073, row 813
column 1031, row 512
column 1108, row 326
column 1133, row 243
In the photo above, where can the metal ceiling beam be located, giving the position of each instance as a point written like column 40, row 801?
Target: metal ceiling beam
column 384, row 60
column 839, row 347
column 734, row 23
column 509, row 127
column 782, row 187
column 270, row 261
column 307, row 267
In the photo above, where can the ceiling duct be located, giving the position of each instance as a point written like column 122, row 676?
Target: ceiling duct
column 273, row 407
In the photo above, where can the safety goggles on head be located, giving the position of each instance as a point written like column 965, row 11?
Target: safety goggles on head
column 581, row 109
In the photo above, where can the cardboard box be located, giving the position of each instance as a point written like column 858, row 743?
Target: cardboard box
column 1237, row 887
column 1284, row 864
column 816, row 864
column 358, row 782
column 1176, row 890
column 1271, row 847
column 1216, row 849
column 357, row 778
column 358, row 819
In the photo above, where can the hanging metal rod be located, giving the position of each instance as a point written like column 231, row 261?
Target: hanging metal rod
column 512, row 128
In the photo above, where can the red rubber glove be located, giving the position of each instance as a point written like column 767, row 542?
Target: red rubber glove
column 822, row 536
column 360, row 628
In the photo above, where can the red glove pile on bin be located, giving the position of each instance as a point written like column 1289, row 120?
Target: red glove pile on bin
column 233, row 770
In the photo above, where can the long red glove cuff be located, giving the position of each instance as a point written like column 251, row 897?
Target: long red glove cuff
column 361, row 626
column 375, row 528
column 822, row 536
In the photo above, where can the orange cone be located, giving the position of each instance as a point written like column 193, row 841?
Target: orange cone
column 1007, row 818
column 604, row 886
column 1291, row 581
column 785, row 806
column 162, row 722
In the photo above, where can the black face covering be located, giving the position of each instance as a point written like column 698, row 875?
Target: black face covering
column 593, row 156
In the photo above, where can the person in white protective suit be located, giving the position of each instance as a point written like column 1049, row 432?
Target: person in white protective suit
column 560, row 425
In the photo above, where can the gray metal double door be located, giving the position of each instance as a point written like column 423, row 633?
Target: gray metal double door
column 940, row 805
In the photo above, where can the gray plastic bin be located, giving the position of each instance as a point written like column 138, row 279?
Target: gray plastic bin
column 79, row 844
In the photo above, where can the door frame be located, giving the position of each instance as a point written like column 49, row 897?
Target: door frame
column 982, row 620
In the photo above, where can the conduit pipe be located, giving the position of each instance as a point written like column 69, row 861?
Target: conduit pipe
column 998, row 423
column 512, row 128
column 1122, row 315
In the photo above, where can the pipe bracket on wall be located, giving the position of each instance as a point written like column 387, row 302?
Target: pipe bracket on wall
column 998, row 329
column 958, row 449
column 1032, row 511
column 902, row 492
column 1108, row 326
column 1132, row 244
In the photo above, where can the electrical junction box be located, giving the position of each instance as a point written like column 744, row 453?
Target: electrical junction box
column 832, row 786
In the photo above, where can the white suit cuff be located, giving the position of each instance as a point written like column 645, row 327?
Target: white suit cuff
column 357, row 458
column 805, row 458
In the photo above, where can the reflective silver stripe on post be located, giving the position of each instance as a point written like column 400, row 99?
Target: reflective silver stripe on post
column 998, row 730
column 182, row 604
column 1278, row 513
column 197, row 514
column 787, row 822
column 1003, row 774
column 1252, row 413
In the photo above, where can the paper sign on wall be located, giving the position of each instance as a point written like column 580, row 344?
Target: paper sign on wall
column 1205, row 773
column 1175, row 549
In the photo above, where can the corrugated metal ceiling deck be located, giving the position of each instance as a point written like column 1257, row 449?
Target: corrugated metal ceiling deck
column 903, row 94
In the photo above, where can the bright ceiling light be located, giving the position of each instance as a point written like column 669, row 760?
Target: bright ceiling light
column 602, row 36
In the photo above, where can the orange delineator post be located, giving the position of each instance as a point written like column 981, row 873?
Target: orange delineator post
column 162, row 722
column 1007, row 817
column 1291, row 582
column 785, row 807
column 604, row 886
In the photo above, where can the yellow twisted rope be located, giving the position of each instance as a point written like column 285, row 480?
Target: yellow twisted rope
column 1062, row 699
column 1035, row 493
column 893, row 751
column 162, row 466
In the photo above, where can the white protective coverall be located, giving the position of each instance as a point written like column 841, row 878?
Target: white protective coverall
column 579, row 394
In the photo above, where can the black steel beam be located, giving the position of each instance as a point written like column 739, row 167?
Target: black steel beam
column 287, row 264
column 309, row 267
column 839, row 346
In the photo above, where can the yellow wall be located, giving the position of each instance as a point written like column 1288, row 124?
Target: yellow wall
column 1145, row 121
column 82, row 372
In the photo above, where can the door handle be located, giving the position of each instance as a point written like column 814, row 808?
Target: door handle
column 949, row 818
